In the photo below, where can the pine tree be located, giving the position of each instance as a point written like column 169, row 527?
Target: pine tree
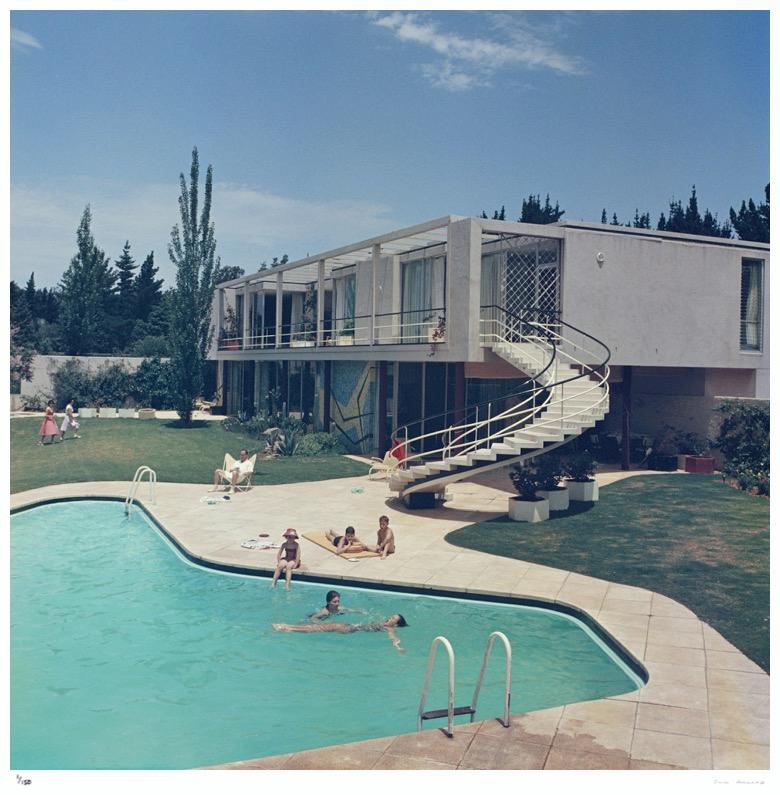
column 615, row 221
column 125, row 266
column 533, row 213
column 147, row 291
column 604, row 215
column 21, row 317
column 752, row 223
column 87, row 291
column 30, row 295
column 690, row 221
column 192, row 252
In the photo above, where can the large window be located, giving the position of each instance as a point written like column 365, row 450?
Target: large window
column 344, row 288
column 751, row 305
column 422, row 297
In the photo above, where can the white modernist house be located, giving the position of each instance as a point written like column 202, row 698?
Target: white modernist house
column 481, row 342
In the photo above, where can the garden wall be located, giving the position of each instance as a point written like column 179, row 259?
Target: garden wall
column 44, row 366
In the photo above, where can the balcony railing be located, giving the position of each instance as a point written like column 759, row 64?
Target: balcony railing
column 414, row 327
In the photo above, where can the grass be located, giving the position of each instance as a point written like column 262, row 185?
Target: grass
column 691, row 537
column 113, row 449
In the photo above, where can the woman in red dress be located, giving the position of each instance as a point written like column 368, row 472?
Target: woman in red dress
column 48, row 426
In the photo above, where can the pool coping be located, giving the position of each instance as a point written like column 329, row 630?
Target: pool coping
column 704, row 706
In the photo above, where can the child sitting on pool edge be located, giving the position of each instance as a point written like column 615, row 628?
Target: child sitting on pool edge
column 348, row 542
column 289, row 557
column 385, row 540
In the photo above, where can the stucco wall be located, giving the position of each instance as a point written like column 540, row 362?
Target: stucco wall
column 658, row 302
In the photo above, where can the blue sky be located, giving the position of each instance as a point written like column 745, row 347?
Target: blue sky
column 325, row 127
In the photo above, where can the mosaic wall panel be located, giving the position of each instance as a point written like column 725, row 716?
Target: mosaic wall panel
column 352, row 405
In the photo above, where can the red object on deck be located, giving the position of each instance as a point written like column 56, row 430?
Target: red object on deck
column 398, row 450
column 699, row 465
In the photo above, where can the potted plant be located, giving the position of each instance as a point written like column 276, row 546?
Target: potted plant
column 663, row 453
column 527, row 506
column 228, row 335
column 579, row 471
column 551, row 470
column 438, row 333
column 347, row 334
column 691, row 449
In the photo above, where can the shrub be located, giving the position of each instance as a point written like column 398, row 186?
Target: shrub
column 113, row 384
column 580, row 468
column 743, row 439
column 73, row 381
column 151, row 384
column 525, row 479
column 550, row 470
column 319, row 444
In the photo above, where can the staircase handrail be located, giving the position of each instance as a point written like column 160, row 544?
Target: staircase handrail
column 546, row 333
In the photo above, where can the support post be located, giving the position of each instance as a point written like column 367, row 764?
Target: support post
column 627, row 375
column 279, row 303
column 460, row 393
column 381, row 414
column 326, row 396
column 320, row 301
column 375, row 259
column 220, row 312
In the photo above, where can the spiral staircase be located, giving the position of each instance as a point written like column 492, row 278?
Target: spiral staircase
column 565, row 394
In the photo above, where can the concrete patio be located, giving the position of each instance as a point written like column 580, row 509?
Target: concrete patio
column 706, row 705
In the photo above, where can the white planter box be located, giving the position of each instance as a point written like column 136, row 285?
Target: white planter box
column 107, row 412
column 558, row 498
column 146, row 414
column 87, row 413
column 345, row 339
column 583, row 492
column 528, row 511
column 302, row 344
column 126, row 413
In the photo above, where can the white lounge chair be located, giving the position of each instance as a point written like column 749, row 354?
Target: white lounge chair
column 244, row 481
column 382, row 468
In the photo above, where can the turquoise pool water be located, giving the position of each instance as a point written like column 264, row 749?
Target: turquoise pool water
column 124, row 655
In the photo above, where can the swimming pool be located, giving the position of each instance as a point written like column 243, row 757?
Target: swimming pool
column 124, row 655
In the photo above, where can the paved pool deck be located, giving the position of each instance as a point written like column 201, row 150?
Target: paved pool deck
column 705, row 706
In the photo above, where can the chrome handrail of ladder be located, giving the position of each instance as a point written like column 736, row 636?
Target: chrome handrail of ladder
column 439, row 639
column 139, row 473
column 508, row 680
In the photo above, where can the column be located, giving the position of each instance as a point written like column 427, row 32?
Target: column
column 279, row 303
column 220, row 312
column 320, row 301
column 626, row 458
column 375, row 257
column 381, row 414
column 245, row 341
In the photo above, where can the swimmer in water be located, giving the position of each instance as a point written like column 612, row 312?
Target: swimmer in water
column 389, row 625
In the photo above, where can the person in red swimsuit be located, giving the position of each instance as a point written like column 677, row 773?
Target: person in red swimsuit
column 288, row 559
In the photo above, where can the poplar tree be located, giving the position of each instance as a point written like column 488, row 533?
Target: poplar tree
column 192, row 252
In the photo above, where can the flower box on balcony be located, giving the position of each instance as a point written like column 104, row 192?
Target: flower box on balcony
column 302, row 344
column 345, row 339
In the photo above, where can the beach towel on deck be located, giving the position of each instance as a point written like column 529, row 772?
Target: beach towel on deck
column 318, row 537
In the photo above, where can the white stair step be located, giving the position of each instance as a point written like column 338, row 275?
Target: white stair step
column 503, row 449
column 545, row 435
column 440, row 466
column 420, row 470
column 482, row 455
column 460, row 460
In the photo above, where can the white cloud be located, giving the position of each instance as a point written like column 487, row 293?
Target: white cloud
column 469, row 62
column 24, row 41
column 251, row 225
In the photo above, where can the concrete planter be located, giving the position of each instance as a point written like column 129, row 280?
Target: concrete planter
column 126, row 413
column 345, row 339
column 583, row 491
column 558, row 498
column 528, row 510
column 700, row 464
column 146, row 414
column 302, row 344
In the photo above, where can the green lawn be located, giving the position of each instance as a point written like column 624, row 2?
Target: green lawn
column 113, row 449
column 690, row 537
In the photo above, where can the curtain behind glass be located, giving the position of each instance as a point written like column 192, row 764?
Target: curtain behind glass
column 751, row 310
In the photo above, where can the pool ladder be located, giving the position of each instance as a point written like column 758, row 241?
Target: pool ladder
column 471, row 710
column 137, row 478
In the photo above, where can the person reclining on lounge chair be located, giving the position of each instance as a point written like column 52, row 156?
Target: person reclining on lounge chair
column 235, row 472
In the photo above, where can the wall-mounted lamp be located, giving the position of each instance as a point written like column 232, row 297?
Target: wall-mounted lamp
column 600, row 258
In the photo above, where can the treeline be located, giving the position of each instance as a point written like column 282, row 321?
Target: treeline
column 100, row 306
column 750, row 222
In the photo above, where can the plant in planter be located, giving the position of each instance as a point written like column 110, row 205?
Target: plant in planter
column 663, row 453
column 527, row 506
column 551, row 470
column 579, row 471
column 691, row 453
column 437, row 334
column 346, row 335
column 228, row 334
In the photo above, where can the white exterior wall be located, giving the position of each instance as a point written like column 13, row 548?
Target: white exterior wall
column 658, row 302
